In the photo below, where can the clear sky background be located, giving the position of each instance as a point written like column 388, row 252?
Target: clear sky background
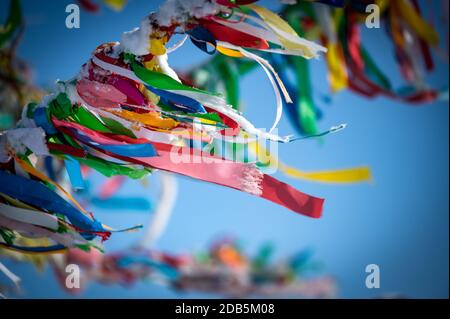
column 399, row 222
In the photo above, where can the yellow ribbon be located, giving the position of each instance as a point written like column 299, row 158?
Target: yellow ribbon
column 157, row 46
column 17, row 203
column 150, row 96
column 229, row 52
column 397, row 35
column 58, row 251
column 115, row 4
column 337, row 75
column 341, row 176
column 152, row 119
column 38, row 260
column 335, row 57
column 422, row 28
column 276, row 23
column 151, row 65
column 347, row 175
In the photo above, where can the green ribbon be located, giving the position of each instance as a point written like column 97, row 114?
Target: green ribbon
column 162, row 81
column 373, row 71
column 61, row 107
column 307, row 114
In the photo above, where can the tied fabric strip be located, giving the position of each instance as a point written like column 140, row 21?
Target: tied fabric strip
column 240, row 176
column 35, row 193
column 349, row 175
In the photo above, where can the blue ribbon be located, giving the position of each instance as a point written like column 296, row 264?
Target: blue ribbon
column 200, row 37
column 74, row 170
column 48, row 162
column 121, row 203
column 292, row 108
column 299, row 260
column 128, row 150
column 37, row 249
column 41, row 119
column 181, row 102
column 37, row 194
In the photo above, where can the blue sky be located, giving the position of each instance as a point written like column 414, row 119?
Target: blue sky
column 400, row 221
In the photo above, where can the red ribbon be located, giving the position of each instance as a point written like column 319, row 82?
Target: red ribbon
column 238, row 38
column 203, row 166
column 66, row 149
column 360, row 83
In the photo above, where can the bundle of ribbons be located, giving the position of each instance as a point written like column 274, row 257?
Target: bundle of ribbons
column 223, row 269
column 106, row 198
column 127, row 113
column 337, row 25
